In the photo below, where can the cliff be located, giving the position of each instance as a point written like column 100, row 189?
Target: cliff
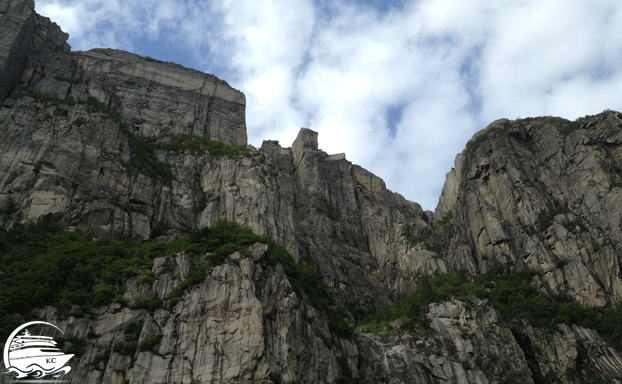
column 130, row 149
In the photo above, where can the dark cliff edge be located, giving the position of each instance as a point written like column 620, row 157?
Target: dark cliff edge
column 137, row 219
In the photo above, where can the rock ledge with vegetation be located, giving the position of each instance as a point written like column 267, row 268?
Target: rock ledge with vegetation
column 137, row 219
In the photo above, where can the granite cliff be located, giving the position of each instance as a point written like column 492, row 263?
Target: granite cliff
column 127, row 147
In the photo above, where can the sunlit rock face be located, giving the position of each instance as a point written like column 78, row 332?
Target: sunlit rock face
column 541, row 193
column 131, row 147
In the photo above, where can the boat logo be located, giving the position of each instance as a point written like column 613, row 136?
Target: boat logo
column 34, row 356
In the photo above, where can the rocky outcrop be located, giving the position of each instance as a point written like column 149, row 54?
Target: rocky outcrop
column 79, row 133
column 23, row 32
column 240, row 325
column 542, row 194
column 470, row 344
column 131, row 147
column 17, row 20
column 154, row 98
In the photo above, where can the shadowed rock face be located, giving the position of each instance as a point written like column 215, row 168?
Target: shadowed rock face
column 122, row 144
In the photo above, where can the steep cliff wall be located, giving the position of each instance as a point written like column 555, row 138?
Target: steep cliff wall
column 544, row 194
column 122, row 145
column 137, row 149
column 17, row 21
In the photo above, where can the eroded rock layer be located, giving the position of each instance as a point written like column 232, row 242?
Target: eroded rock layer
column 134, row 148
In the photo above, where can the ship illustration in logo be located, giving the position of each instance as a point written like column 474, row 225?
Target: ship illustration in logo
column 28, row 355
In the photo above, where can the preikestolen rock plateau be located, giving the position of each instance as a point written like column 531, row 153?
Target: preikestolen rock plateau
column 515, row 278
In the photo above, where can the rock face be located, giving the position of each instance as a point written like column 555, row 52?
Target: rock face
column 131, row 147
column 471, row 345
column 22, row 32
column 238, row 326
column 543, row 194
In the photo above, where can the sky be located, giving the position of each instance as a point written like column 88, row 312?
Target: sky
column 398, row 86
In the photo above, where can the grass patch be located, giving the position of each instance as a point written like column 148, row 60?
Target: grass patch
column 78, row 80
column 160, row 229
column 197, row 275
column 77, row 346
column 546, row 218
column 448, row 216
column 574, row 125
column 130, row 208
column 276, row 377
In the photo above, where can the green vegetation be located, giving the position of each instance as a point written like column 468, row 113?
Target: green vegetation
column 276, row 377
column 511, row 294
column 10, row 207
column 150, row 342
column 226, row 237
column 143, row 159
column 14, row 175
column 80, row 121
column 42, row 97
column 77, row 346
column 79, row 80
column 129, row 207
column 346, row 373
column 159, row 229
column 428, row 237
column 61, row 111
column 42, row 265
column 546, row 218
column 197, row 144
column 37, row 167
column 147, row 278
column 197, row 275
column 102, row 357
column 132, row 333
column 143, row 302
column 448, row 216
column 574, row 125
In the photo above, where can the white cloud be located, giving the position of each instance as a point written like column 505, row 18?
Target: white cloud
column 451, row 66
column 537, row 49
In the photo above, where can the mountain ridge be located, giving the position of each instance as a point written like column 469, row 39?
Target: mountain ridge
column 121, row 147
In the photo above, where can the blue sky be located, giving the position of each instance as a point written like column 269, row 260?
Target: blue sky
column 399, row 86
